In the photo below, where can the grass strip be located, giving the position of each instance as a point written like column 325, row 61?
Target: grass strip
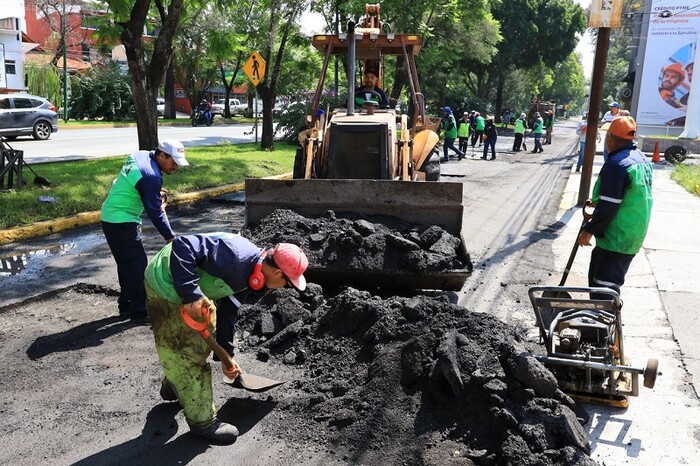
column 687, row 176
column 81, row 186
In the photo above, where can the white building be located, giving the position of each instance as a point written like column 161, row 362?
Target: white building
column 12, row 46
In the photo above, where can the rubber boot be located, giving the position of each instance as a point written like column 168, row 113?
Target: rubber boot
column 217, row 431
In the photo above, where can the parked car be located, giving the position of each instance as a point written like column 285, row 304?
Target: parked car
column 235, row 106
column 26, row 114
column 160, row 106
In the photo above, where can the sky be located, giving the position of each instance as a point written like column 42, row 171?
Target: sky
column 312, row 23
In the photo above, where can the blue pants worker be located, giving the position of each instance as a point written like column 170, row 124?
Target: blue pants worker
column 490, row 142
column 450, row 144
column 607, row 270
column 124, row 240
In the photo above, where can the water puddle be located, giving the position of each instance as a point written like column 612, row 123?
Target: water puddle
column 16, row 261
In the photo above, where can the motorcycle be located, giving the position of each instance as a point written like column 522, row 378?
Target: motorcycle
column 200, row 118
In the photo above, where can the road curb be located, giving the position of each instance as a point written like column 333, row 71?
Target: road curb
column 84, row 219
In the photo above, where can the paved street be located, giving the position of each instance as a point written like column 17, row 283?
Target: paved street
column 73, row 144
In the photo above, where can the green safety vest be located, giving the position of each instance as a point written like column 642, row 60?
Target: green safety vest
column 160, row 279
column 452, row 132
column 519, row 126
column 463, row 130
column 627, row 230
column 123, row 203
column 480, row 123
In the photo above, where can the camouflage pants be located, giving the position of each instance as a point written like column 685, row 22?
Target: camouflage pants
column 183, row 355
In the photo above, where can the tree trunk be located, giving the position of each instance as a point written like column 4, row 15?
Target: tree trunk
column 147, row 75
column 499, row 96
column 267, row 141
column 170, row 111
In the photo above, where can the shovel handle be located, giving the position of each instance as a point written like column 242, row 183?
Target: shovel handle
column 203, row 329
column 587, row 216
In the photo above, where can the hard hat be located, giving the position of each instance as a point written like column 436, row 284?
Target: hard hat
column 675, row 68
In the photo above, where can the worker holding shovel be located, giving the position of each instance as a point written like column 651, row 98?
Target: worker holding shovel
column 182, row 281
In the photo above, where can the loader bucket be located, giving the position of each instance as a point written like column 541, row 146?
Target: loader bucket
column 424, row 204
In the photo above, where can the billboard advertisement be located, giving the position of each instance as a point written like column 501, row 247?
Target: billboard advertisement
column 669, row 59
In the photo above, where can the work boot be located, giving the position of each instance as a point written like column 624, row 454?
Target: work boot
column 219, row 432
column 166, row 391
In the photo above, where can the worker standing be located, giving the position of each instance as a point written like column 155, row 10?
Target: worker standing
column 622, row 197
column 519, row 131
column 480, row 125
column 463, row 132
column 448, row 126
column 186, row 276
column 537, row 131
column 548, row 126
column 137, row 187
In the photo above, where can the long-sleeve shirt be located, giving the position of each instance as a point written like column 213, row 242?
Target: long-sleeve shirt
column 215, row 265
column 623, row 201
column 135, row 189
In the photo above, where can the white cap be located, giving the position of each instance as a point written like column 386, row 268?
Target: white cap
column 174, row 149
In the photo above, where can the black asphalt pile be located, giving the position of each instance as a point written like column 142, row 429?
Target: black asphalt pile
column 410, row 381
column 356, row 243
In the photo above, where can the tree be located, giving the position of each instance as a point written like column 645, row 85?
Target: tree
column 275, row 34
column 45, row 81
column 147, row 58
column 196, row 68
column 103, row 93
column 65, row 28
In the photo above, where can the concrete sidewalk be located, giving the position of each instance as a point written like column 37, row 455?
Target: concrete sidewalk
column 660, row 321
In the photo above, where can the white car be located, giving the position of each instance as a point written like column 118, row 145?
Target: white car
column 235, row 105
column 160, row 106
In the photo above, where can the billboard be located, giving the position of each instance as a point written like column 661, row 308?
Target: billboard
column 669, row 59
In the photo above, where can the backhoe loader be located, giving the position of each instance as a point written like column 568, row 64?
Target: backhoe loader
column 368, row 160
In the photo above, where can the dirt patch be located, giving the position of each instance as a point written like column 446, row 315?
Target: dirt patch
column 357, row 243
column 411, row 381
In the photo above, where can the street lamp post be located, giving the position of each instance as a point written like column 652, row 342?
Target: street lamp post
column 65, row 65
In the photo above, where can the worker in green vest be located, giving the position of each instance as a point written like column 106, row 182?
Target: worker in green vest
column 463, row 132
column 519, row 131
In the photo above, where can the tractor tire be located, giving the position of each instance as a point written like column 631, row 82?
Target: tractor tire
column 299, row 164
column 675, row 154
column 650, row 371
column 431, row 167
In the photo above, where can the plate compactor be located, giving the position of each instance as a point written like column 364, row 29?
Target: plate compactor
column 585, row 351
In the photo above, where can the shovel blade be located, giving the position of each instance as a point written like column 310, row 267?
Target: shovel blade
column 253, row 383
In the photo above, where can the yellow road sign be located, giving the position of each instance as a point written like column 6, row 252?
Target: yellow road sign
column 254, row 68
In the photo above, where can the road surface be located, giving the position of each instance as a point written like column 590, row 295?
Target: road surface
column 74, row 144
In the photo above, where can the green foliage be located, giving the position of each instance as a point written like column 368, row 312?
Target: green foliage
column 45, row 81
column 103, row 93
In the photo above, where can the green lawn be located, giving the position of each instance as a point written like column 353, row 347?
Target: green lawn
column 81, row 186
column 687, row 176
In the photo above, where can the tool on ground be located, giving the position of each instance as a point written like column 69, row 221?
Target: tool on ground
column 548, row 314
column 245, row 381
column 39, row 180
column 584, row 346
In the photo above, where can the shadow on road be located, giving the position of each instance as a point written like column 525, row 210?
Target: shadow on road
column 153, row 445
column 85, row 335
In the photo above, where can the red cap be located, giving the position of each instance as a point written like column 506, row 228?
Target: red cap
column 292, row 261
column 623, row 127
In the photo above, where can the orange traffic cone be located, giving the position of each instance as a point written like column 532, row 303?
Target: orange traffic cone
column 657, row 157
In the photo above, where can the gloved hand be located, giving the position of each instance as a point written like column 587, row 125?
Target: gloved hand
column 234, row 372
column 194, row 309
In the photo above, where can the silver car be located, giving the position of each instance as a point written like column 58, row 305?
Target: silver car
column 26, row 114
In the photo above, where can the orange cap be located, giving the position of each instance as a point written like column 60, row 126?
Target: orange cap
column 623, row 128
column 676, row 68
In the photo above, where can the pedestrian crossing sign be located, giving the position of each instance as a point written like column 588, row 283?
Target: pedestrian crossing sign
column 254, row 68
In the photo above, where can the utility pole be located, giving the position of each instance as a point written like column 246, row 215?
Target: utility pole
column 601, row 57
column 65, row 65
column 603, row 16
